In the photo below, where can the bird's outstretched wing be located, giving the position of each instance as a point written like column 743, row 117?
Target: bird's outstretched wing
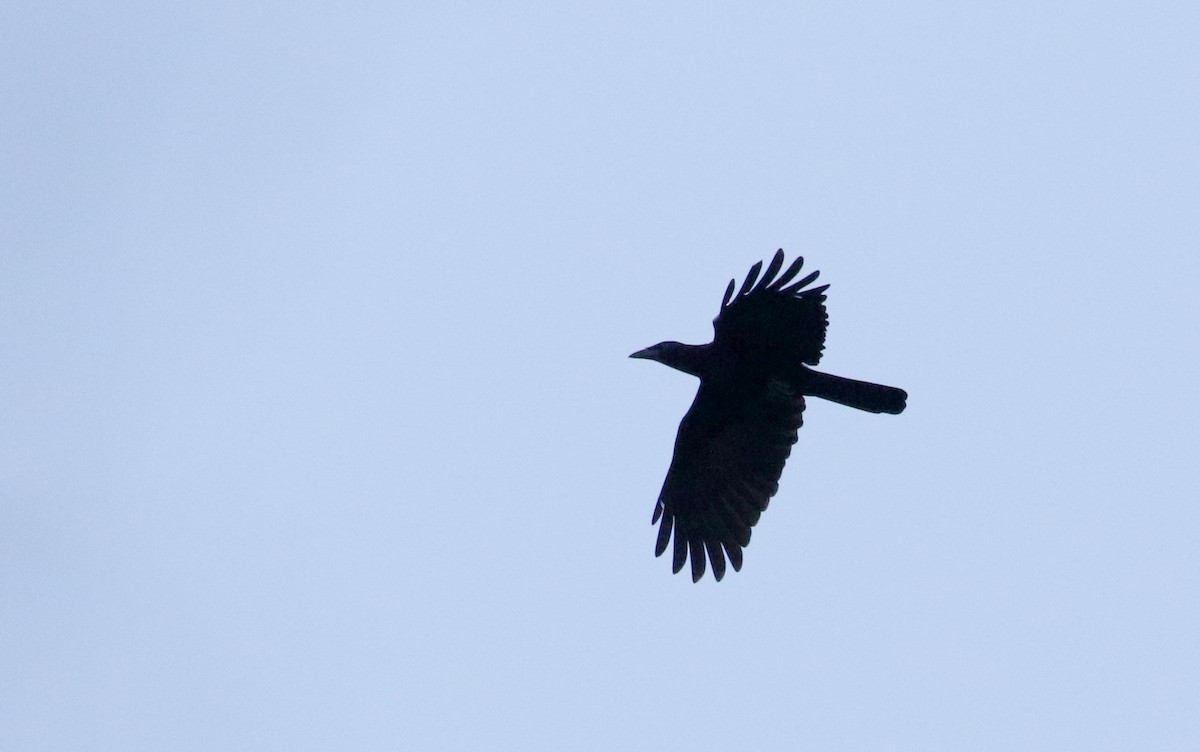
column 772, row 321
column 729, row 454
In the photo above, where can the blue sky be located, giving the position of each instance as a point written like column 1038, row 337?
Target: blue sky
column 320, row 431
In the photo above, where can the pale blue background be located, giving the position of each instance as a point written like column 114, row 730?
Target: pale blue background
column 319, row 431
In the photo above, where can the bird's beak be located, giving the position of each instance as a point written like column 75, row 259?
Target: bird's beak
column 643, row 354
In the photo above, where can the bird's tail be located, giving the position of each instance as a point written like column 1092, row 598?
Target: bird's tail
column 874, row 398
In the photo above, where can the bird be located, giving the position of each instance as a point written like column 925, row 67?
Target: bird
column 734, row 440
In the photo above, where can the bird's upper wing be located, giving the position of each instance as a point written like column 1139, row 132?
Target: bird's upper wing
column 769, row 320
column 729, row 454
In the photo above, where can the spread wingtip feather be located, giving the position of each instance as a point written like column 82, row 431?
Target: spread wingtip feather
column 787, row 276
column 728, row 294
column 664, row 535
column 772, row 269
column 750, row 278
column 697, row 552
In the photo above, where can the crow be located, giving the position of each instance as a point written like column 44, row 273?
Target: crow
column 739, row 431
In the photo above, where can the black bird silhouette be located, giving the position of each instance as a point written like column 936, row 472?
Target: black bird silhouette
column 739, row 431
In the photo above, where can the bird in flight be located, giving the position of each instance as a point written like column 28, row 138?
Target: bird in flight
column 739, row 431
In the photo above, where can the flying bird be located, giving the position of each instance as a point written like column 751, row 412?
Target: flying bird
column 739, row 431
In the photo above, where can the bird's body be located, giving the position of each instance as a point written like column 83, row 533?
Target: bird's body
column 735, row 439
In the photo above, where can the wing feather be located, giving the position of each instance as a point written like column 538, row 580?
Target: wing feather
column 734, row 552
column 753, row 275
column 681, row 549
column 728, row 294
column 696, row 547
column 664, row 532
column 808, row 280
column 787, row 276
column 772, row 270
column 717, row 557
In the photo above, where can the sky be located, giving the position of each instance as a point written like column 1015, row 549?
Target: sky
column 320, row 431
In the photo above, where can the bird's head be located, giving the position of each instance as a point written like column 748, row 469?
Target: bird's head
column 686, row 358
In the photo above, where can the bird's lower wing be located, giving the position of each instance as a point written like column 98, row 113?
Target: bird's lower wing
column 729, row 454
